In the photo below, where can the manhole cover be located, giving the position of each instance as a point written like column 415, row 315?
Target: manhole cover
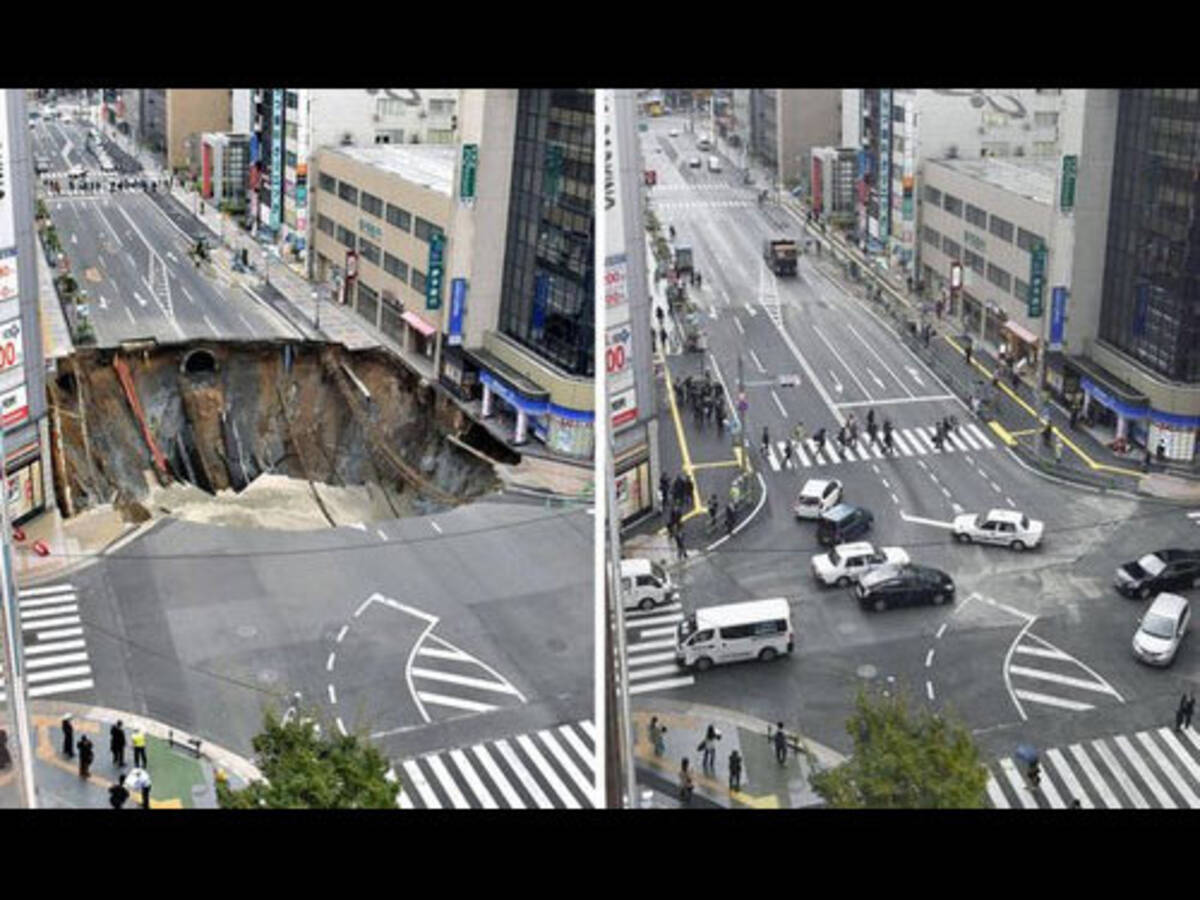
column 267, row 676
column 555, row 645
column 246, row 631
column 867, row 671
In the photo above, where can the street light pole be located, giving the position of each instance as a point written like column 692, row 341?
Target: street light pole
column 625, row 737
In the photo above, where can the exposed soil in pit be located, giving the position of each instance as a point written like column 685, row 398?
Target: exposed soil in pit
column 274, row 435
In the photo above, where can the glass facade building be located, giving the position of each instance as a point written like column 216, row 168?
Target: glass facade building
column 1150, row 307
column 547, row 295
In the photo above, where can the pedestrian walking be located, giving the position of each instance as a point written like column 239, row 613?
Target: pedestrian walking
column 766, row 441
column 787, row 454
column 967, row 353
column 118, row 793
column 870, row 419
column 708, row 747
column 86, row 754
column 1035, row 774
column 1161, row 452
column 678, row 390
column 116, row 743
column 1188, row 709
column 819, row 438
column 871, row 433
column 720, row 414
column 664, row 488
column 735, row 771
column 730, row 518
column 662, row 340
column 1179, row 712
column 781, row 748
column 687, row 784
column 1074, row 416
column 1058, row 450
column 657, row 730
column 68, row 730
column 714, row 506
column 139, row 780
column 139, row 749
column 680, row 547
column 798, row 433
column 659, row 314
column 5, row 754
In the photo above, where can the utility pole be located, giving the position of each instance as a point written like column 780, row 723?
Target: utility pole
column 14, row 676
column 624, row 736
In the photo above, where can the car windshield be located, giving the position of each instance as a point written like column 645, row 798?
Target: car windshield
column 1159, row 626
column 658, row 572
column 687, row 627
column 1151, row 564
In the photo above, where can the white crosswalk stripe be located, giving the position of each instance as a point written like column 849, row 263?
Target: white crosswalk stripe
column 1151, row 769
column 53, row 666
column 452, row 681
column 649, row 650
column 1040, row 673
column 558, row 771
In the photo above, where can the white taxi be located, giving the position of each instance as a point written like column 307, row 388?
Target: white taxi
column 849, row 562
column 1006, row 527
column 817, row 496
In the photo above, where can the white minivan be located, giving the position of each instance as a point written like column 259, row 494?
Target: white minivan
column 645, row 584
column 755, row 629
column 714, row 164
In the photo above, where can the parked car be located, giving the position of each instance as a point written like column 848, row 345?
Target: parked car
column 849, row 562
column 1162, row 570
column 999, row 526
column 817, row 495
column 1161, row 630
column 904, row 585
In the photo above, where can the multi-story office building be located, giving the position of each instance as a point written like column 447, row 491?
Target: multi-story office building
column 224, row 169
column 165, row 120
column 831, row 184
column 786, row 124
column 22, row 368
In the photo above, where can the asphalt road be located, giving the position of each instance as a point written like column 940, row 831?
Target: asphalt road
column 425, row 633
column 819, row 329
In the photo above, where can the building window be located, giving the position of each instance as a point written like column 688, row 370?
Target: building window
column 291, row 159
column 1001, row 228
column 368, row 301
column 931, row 237
column 325, row 225
column 328, row 183
column 418, row 281
column 952, row 205
column 346, row 236
column 425, row 230
column 1045, row 148
column 389, row 106
column 292, row 100
column 976, row 216
column 439, row 107
column 372, row 204
column 1045, row 119
column 973, row 261
column 951, row 248
column 1020, row 290
column 397, row 268
column 1027, row 240
column 368, row 251
column 398, row 217
column 932, row 195
column 348, row 192
column 999, row 277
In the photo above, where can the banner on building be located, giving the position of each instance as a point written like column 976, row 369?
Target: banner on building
column 1037, row 280
column 1070, row 168
column 276, row 158
column 622, row 408
column 618, row 355
column 1058, row 316
column 458, row 306
column 25, row 491
column 470, row 163
column 12, row 352
column 433, row 278
column 8, row 227
column 10, row 283
column 14, row 407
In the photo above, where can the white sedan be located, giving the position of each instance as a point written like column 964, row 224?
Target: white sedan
column 674, row 132
column 849, row 562
column 1006, row 527
column 1161, row 630
column 817, row 496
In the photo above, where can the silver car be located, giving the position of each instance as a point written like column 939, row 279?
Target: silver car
column 1161, row 630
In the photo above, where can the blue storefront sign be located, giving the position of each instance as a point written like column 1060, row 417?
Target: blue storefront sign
column 541, row 295
column 1058, row 316
column 458, row 304
column 513, row 397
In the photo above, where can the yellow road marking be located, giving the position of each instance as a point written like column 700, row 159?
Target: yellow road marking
column 1021, row 433
column 688, row 468
column 732, row 463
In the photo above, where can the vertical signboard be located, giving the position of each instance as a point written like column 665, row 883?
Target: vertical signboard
column 622, row 394
column 458, row 305
column 276, row 157
column 1037, row 280
column 884, row 184
column 1070, row 168
column 470, row 163
column 1058, row 316
column 541, row 297
column 8, row 229
column 433, row 279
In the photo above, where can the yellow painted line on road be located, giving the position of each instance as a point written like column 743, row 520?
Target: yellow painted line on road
column 1067, row 442
column 688, row 468
column 730, row 463
column 1024, row 431
column 1001, row 432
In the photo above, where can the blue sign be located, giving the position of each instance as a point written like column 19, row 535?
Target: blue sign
column 458, row 304
column 541, row 294
column 276, row 158
column 1058, row 316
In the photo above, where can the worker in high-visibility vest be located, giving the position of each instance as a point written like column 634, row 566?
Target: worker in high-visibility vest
column 139, row 749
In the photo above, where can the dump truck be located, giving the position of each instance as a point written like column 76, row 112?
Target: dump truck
column 780, row 255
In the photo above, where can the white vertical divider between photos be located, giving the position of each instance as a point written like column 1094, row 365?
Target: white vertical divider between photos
column 602, row 657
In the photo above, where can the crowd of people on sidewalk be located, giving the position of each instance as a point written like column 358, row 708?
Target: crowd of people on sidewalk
column 138, row 777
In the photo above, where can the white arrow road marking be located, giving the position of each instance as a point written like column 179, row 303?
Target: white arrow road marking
column 837, row 385
column 750, row 309
column 74, row 238
column 958, row 509
column 171, row 256
column 949, row 526
column 912, row 370
column 712, row 313
column 1194, row 515
column 738, row 323
column 874, row 377
column 754, row 356
column 782, row 411
column 129, row 313
column 103, row 302
column 139, row 298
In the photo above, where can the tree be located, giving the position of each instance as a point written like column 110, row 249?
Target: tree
column 304, row 769
column 904, row 759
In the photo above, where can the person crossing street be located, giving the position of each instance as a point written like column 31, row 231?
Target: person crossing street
column 766, row 441
column 787, row 454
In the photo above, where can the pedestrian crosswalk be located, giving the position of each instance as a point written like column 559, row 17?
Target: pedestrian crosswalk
column 650, row 650
column 1041, row 674
column 553, row 768
column 915, row 441
column 700, row 186
column 1158, row 768
column 703, row 204
column 55, row 651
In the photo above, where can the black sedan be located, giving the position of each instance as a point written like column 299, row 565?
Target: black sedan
column 905, row 585
column 1162, row 570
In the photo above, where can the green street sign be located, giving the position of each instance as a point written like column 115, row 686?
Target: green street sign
column 1070, row 169
column 433, row 280
column 470, row 162
column 1037, row 280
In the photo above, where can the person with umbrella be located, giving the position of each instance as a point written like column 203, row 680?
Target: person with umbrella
column 139, row 780
column 1028, row 754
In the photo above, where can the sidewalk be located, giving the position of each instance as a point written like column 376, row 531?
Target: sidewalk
column 765, row 783
column 180, row 779
column 74, row 543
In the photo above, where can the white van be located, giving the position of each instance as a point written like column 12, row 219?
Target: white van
column 645, row 584
column 714, row 164
column 704, row 143
column 756, row 629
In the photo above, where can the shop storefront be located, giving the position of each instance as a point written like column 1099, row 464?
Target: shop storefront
column 418, row 335
column 26, row 495
column 1115, row 409
column 972, row 313
column 634, row 489
column 460, row 374
column 1020, row 343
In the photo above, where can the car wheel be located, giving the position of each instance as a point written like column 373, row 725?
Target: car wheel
column 1017, row 545
column 767, row 654
column 703, row 664
column 646, row 605
column 962, row 537
column 1144, row 593
column 843, row 581
column 880, row 605
column 939, row 598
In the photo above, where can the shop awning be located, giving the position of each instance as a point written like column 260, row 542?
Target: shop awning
column 489, row 362
column 418, row 323
column 1020, row 332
